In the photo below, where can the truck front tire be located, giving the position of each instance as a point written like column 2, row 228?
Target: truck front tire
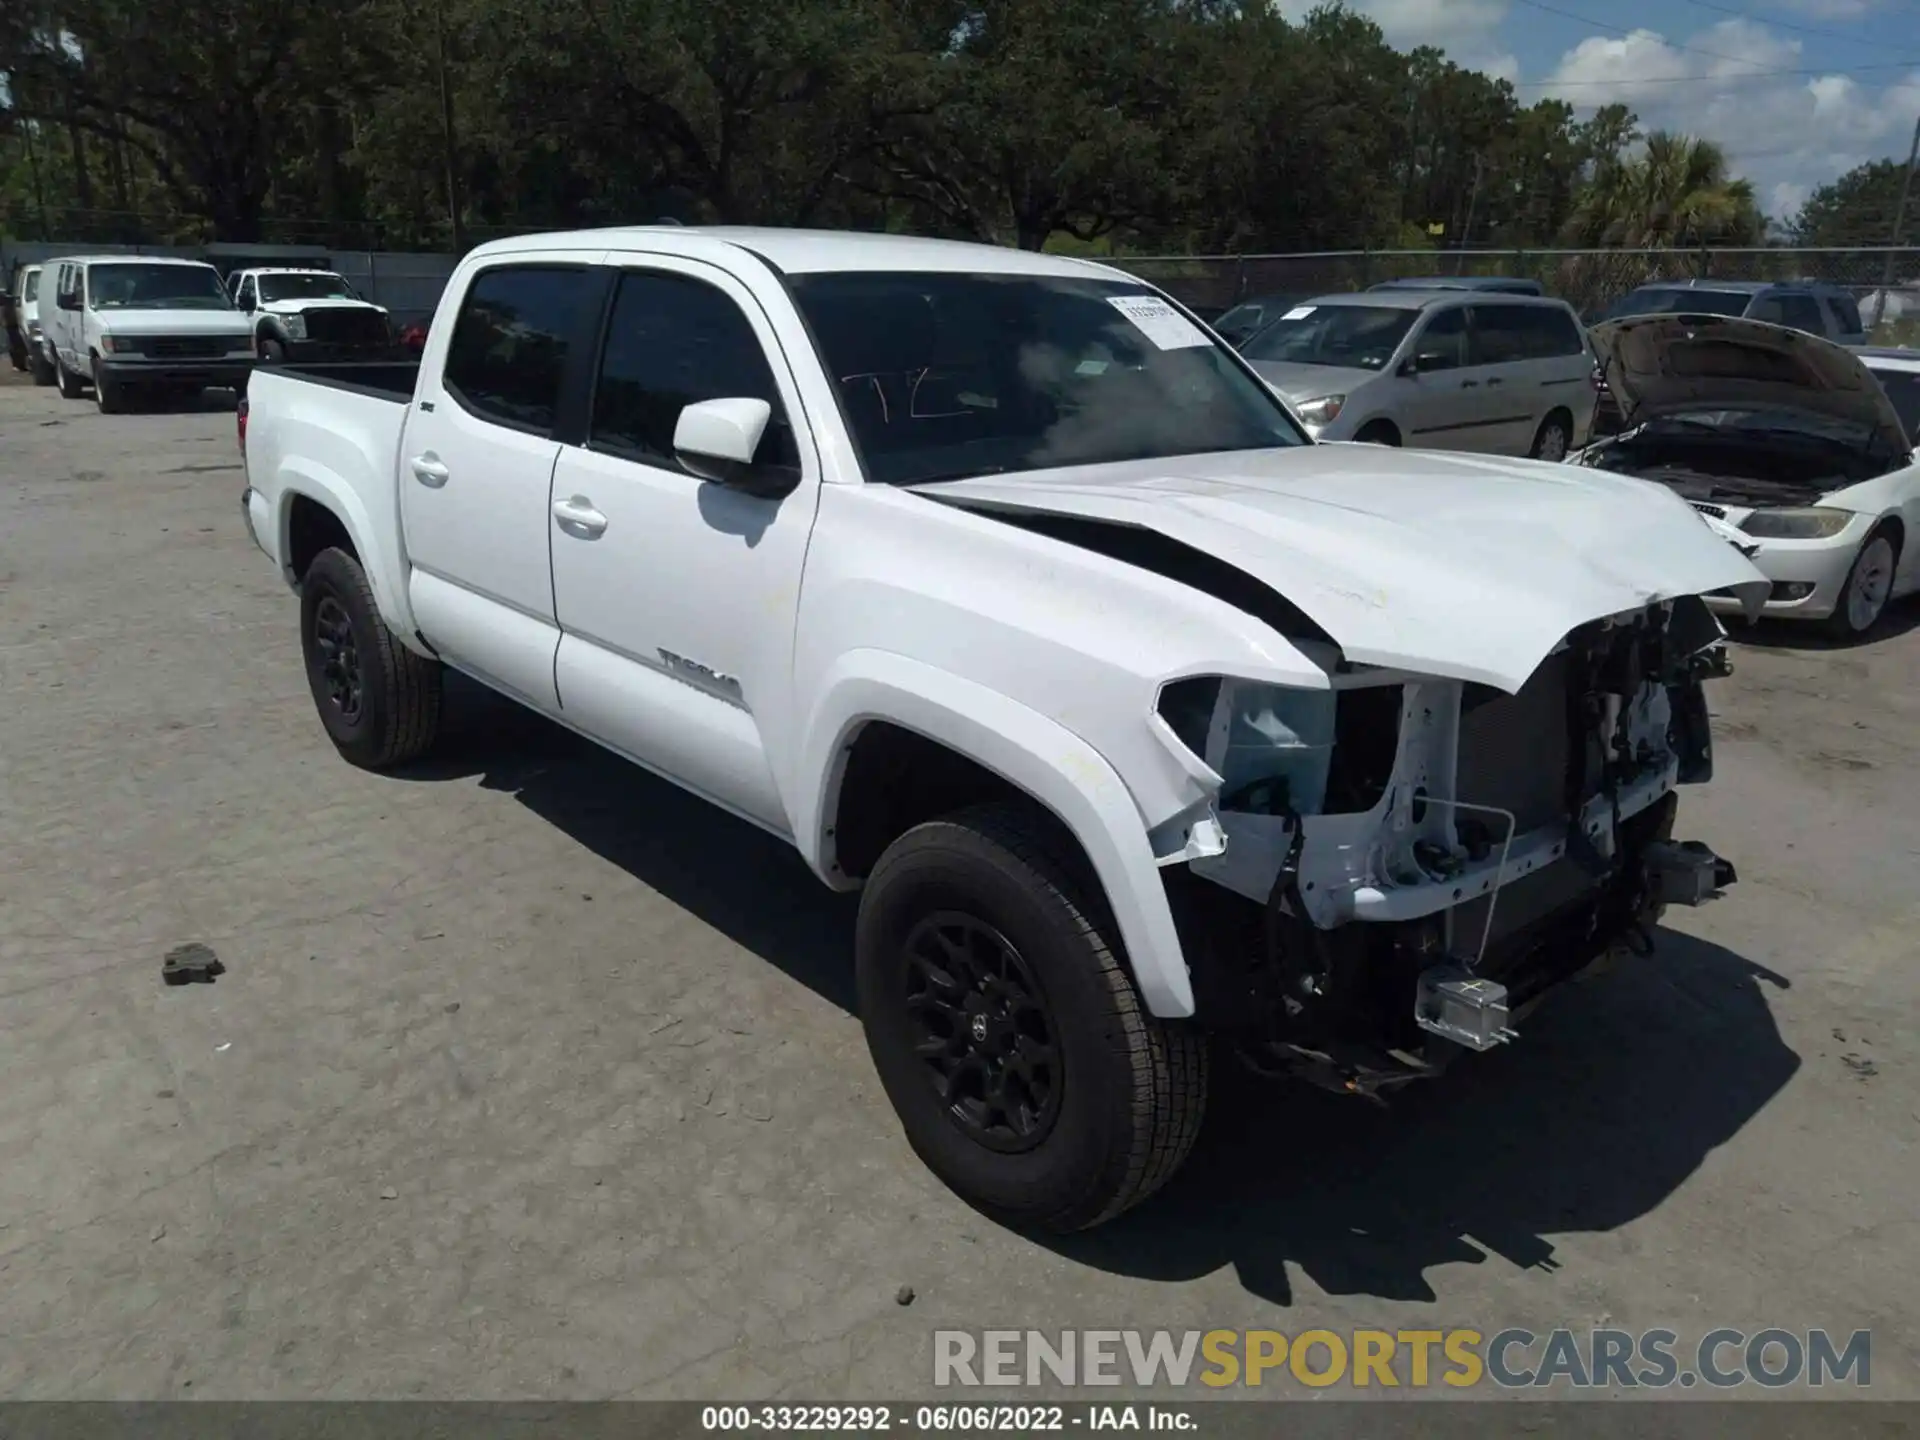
column 108, row 394
column 1012, row 1042
column 379, row 701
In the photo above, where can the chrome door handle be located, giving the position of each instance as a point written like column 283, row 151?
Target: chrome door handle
column 1494, row 381
column 579, row 519
column 428, row 471
column 1469, row 384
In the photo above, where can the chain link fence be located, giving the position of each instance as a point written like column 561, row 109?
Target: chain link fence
column 1885, row 281
column 1589, row 280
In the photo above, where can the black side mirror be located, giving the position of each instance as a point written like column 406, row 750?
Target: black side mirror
column 68, row 301
column 1425, row 360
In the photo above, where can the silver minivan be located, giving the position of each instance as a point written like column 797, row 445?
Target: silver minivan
column 1437, row 370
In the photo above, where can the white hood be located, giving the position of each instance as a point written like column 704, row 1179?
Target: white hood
column 175, row 322
column 1670, row 364
column 1466, row 567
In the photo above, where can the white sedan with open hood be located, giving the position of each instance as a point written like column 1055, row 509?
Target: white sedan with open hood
column 1786, row 445
column 1009, row 596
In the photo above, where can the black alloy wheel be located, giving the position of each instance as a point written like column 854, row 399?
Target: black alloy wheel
column 339, row 657
column 983, row 1031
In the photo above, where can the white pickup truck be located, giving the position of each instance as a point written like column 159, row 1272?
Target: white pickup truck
column 1006, row 592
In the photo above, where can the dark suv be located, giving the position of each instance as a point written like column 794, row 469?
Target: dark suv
column 1810, row 305
column 1814, row 306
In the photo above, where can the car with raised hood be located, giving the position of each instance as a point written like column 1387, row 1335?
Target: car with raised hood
column 310, row 315
column 1785, row 444
column 1436, row 369
column 131, row 325
column 1010, row 597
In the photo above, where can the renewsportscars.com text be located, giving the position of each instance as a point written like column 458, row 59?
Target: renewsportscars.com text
column 1608, row 1359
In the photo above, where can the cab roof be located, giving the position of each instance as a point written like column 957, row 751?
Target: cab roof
column 806, row 252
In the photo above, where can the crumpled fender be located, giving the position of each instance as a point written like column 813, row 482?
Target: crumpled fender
column 1035, row 754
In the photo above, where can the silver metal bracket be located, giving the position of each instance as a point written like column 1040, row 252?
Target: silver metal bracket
column 1454, row 1004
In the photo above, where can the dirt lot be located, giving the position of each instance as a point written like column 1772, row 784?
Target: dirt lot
column 530, row 1077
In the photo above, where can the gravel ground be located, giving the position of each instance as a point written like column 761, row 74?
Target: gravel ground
column 530, row 1077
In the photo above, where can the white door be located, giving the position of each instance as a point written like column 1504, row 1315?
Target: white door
column 66, row 322
column 677, row 596
column 476, row 460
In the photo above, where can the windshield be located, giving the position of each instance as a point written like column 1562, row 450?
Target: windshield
column 1903, row 388
column 305, row 287
column 1678, row 300
column 155, row 287
column 945, row 376
column 1358, row 337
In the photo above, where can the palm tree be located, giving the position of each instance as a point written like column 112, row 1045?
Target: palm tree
column 1677, row 195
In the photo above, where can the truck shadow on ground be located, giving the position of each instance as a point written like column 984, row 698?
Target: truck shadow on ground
column 1617, row 1091
column 743, row 882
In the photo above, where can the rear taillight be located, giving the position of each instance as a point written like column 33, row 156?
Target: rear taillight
column 240, row 425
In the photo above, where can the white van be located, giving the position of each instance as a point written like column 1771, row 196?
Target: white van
column 142, row 323
column 26, row 309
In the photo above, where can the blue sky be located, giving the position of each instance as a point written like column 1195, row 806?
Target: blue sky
column 1798, row 91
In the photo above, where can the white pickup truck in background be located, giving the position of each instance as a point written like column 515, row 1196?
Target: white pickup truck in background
column 310, row 315
column 1011, row 596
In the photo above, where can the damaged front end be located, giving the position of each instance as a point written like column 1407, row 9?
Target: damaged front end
column 1405, row 864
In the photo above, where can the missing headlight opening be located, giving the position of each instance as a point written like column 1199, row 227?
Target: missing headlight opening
column 1410, row 862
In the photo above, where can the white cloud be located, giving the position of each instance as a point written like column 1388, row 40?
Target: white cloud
column 1786, row 132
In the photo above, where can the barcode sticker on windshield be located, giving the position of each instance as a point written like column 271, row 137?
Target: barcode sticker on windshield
column 1165, row 326
column 1298, row 312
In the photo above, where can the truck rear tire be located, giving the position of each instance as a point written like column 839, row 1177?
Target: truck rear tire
column 379, row 701
column 1010, row 1038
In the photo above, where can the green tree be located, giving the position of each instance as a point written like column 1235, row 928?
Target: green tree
column 1677, row 194
column 1858, row 209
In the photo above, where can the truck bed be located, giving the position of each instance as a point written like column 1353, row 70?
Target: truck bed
column 383, row 379
column 330, row 434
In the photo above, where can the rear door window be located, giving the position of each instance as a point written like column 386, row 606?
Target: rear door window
column 1501, row 335
column 1796, row 313
column 1845, row 313
column 1559, row 332
column 511, row 339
